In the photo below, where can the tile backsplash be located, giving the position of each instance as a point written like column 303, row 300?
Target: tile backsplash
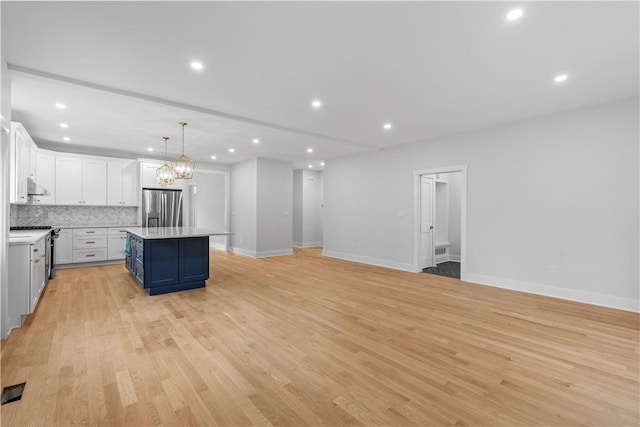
column 72, row 216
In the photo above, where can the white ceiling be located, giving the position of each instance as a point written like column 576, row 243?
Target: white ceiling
column 430, row 68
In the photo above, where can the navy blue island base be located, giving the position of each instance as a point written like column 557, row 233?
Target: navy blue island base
column 169, row 264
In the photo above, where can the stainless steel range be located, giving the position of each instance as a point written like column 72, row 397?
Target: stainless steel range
column 50, row 265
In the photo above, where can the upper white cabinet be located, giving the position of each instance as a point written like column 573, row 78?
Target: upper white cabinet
column 46, row 177
column 122, row 183
column 81, row 181
column 22, row 163
column 150, row 179
column 94, row 182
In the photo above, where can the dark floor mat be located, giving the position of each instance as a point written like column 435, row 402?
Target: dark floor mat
column 448, row 269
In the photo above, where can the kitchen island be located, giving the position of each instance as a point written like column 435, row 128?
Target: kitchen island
column 169, row 259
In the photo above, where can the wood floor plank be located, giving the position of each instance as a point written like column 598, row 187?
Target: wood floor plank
column 307, row 340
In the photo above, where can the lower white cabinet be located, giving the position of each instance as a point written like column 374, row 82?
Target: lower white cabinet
column 63, row 247
column 89, row 244
column 27, row 278
column 116, row 243
column 80, row 245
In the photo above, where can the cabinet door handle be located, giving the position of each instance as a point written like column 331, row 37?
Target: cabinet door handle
column 35, row 250
column 89, row 232
column 37, row 260
column 89, row 255
column 89, row 241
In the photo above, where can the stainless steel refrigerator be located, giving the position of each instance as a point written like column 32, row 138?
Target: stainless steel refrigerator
column 161, row 208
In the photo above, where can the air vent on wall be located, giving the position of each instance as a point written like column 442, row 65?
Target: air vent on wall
column 441, row 250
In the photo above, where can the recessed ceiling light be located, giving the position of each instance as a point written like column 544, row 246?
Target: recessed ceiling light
column 60, row 106
column 149, row 149
column 64, row 125
column 316, row 103
column 66, row 139
column 387, row 126
column 321, row 163
column 310, row 166
column 232, row 150
column 514, row 15
column 560, row 78
column 197, row 65
column 309, row 150
column 214, row 157
column 255, row 141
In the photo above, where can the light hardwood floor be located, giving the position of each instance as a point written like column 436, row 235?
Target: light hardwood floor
column 307, row 340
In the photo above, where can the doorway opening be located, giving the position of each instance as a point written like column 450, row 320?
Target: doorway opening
column 440, row 221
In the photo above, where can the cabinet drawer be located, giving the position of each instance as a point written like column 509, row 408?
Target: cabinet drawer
column 89, row 232
column 88, row 255
column 115, row 231
column 89, row 242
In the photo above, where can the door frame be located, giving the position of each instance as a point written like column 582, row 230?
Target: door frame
column 432, row 215
column 463, row 214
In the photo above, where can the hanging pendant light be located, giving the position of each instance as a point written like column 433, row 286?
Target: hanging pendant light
column 165, row 173
column 183, row 165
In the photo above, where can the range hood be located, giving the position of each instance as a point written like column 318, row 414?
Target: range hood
column 34, row 189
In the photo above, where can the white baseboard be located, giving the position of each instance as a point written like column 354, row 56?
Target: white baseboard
column 372, row 261
column 307, row 245
column 447, row 258
column 611, row 301
column 279, row 252
column 441, row 258
column 263, row 254
column 244, row 252
column 217, row 246
column 89, row 264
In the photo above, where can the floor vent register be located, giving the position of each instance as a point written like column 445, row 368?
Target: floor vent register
column 12, row 393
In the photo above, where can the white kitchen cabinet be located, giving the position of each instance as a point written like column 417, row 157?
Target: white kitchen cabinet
column 80, row 181
column 45, row 177
column 68, row 181
column 122, row 183
column 63, row 247
column 21, row 163
column 116, row 243
column 89, row 244
column 38, row 273
column 18, row 290
column 94, row 182
column 27, row 278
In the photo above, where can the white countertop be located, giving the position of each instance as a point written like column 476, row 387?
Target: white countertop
column 26, row 237
column 174, row 232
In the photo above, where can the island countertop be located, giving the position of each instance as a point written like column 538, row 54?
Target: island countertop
column 174, row 232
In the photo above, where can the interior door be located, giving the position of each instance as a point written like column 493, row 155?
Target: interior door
column 427, row 204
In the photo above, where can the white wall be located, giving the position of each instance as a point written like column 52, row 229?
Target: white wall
column 211, row 200
column 261, row 204
column 5, row 120
column 297, row 209
column 455, row 198
column 274, row 201
column 307, row 208
column 561, row 190
column 244, row 206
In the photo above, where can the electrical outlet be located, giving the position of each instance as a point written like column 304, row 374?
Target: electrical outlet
column 552, row 270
